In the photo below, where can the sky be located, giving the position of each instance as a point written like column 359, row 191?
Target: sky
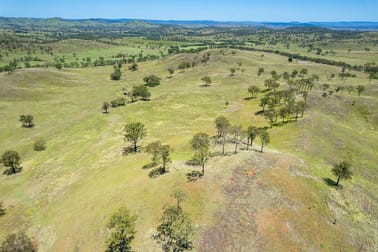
column 219, row 10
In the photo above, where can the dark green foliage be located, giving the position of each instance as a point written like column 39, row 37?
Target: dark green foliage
column 133, row 67
column 200, row 144
column 206, row 80
column 159, row 153
column 271, row 116
column 184, row 65
column 260, row 71
column 264, row 138
column 360, row 89
column 18, row 243
column 151, row 81
column 232, row 71
column 253, row 90
column 40, row 144
column 27, row 121
column 140, row 92
column 2, row 209
column 134, row 132
column 116, row 75
column 236, row 132
column 221, row 124
column 171, row 71
column 175, row 231
column 118, row 102
column 342, row 171
column 252, row 133
column 122, row 226
column 11, row 159
column 105, row 107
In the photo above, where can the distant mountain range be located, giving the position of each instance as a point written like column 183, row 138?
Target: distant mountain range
column 8, row 22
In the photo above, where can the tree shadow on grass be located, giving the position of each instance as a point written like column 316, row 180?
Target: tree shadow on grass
column 260, row 112
column 10, row 171
column 332, row 183
column 249, row 98
column 157, row 172
column 193, row 176
column 149, row 166
column 129, row 150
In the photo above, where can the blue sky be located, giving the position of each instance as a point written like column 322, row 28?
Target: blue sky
column 231, row 10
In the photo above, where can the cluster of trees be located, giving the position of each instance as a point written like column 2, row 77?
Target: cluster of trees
column 151, row 81
column 174, row 232
column 18, row 242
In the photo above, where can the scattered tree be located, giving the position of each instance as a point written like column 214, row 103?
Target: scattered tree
column 171, row 71
column 116, row 75
column 40, row 144
column 133, row 67
column 19, row 242
column 122, row 227
column 342, row 171
column 252, row 133
column 134, row 132
column 105, row 107
column 200, row 144
column 180, row 196
column 236, row 132
column 11, row 159
column 253, row 90
column 2, row 209
column 206, row 80
column 232, row 71
column 141, row 92
column 151, row 81
column 175, row 231
column 264, row 138
column 27, row 121
column 159, row 152
column 260, row 71
column 360, row 89
column 270, row 115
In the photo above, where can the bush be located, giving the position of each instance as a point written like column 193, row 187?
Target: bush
column 40, row 144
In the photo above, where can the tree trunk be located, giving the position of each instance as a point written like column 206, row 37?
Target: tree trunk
column 135, row 146
column 338, row 180
column 262, row 147
column 236, row 147
column 224, row 142
column 203, row 168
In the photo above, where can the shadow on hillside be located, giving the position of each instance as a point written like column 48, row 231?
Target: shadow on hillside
column 193, row 176
column 260, row 112
column 157, row 172
column 129, row 150
column 249, row 98
column 10, row 171
column 332, row 183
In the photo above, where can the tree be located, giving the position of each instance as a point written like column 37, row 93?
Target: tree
column 105, row 107
column 133, row 67
column 180, row 196
column 19, row 242
column 236, row 132
column 200, row 144
column 360, row 89
column 264, row 138
column 2, row 209
column 342, row 171
column 116, row 75
column 253, row 90
column 232, row 71
column 260, row 71
column 151, row 81
column 159, row 152
column 207, row 80
column 283, row 112
column 269, row 83
column 39, row 144
column 303, row 72
column 175, row 231
column 122, row 226
column 11, row 159
column 270, row 115
column 134, row 132
column 27, row 121
column 252, row 133
column 141, row 92
column 264, row 101
column 222, row 124
column 171, row 71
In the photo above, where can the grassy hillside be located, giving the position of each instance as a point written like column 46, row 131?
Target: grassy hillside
column 272, row 201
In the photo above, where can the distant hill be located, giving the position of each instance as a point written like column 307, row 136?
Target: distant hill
column 115, row 24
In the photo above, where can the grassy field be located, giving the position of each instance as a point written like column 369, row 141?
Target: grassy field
column 272, row 201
